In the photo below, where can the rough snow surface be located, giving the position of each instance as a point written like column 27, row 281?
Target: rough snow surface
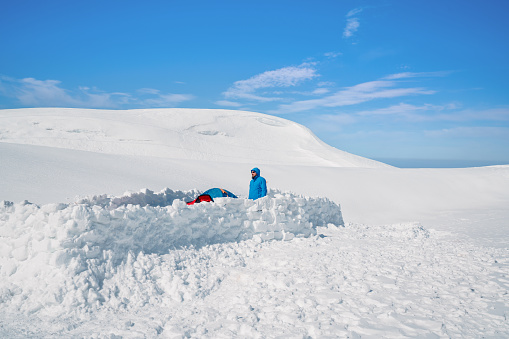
column 59, row 257
column 145, row 265
column 354, row 281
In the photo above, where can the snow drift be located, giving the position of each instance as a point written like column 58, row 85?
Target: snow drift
column 58, row 256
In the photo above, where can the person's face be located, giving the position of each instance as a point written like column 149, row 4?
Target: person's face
column 253, row 174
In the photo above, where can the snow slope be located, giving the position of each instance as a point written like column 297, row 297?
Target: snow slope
column 420, row 253
column 217, row 135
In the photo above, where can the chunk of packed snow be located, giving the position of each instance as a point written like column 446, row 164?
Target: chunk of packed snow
column 58, row 255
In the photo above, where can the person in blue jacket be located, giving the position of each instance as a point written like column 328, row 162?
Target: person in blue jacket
column 257, row 186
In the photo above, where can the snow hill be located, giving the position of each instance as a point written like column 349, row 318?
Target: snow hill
column 343, row 246
column 210, row 135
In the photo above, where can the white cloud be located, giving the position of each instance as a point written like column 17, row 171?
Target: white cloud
column 400, row 109
column 283, row 77
column 470, row 132
column 352, row 25
column 321, row 90
column 396, row 109
column 148, row 91
column 354, row 11
column 494, row 114
column 158, row 99
column 412, row 112
column 166, row 100
column 46, row 93
column 498, row 115
column 425, row 114
column 406, row 75
column 448, row 112
column 101, row 99
column 333, row 54
column 326, row 84
column 228, row 103
column 357, row 94
column 342, row 119
column 33, row 92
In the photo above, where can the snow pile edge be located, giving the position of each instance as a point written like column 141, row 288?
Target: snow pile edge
column 59, row 255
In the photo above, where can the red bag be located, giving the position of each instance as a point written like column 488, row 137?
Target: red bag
column 203, row 197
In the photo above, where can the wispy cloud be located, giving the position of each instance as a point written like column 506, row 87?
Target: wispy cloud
column 426, row 113
column 326, row 84
column 32, row 92
column 450, row 112
column 283, row 77
column 422, row 113
column 164, row 100
column 341, row 119
column 228, row 103
column 401, row 108
column 354, row 12
column 407, row 110
column 494, row 114
column 148, row 91
column 357, row 94
column 406, row 75
column 332, row 55
column 470, row 132
column 352, row 23
column 321, row 90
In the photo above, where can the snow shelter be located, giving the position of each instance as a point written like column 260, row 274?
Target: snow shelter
column 212, row 193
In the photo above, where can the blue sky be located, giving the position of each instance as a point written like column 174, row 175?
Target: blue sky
column 411, row 83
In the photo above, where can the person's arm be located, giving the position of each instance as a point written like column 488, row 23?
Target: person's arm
column 264, row 187
column 251, row 190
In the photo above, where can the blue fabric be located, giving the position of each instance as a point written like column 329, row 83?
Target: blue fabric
column 257, row 186
column 218, row 193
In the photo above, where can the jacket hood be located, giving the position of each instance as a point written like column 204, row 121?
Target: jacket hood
column 257, row 170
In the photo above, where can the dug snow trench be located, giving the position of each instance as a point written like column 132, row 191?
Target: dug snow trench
column 63, row 256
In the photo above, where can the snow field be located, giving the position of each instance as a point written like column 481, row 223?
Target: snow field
column 57, row 258
column 391, row 281
column 146, row 265
column 379, row 282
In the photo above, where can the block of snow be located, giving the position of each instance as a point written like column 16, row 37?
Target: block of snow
column 75, row 246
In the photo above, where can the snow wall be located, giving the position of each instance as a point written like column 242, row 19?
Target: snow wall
column 57, row 257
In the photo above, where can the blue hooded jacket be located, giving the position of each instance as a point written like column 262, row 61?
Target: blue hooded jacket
column 257, row 186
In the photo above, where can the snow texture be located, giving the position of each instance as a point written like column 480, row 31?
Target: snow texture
column 58, row 256
column 354, row 281
column 199, row 134
column 423, row 253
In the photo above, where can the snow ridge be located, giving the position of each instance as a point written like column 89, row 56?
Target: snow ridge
column 143, row 198
column 176, row 133
column 58, row 256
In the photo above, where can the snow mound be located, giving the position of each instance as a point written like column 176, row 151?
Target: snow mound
column 59, row 255
column 193, row 134
column 142, row 198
